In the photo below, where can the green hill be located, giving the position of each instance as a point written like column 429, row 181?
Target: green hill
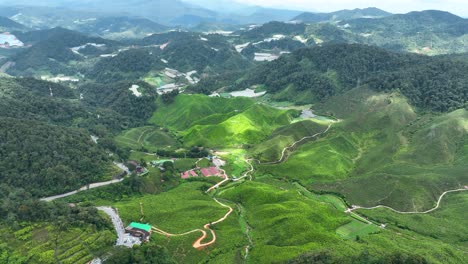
column 271, row 149
column 305, row 228
column 406, row 159
column 220, row 122
column 248, row 127
column 188, row 110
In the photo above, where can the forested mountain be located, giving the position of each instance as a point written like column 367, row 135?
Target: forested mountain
column 316, row 73
column 271, row 28
column 119, row 27
column 36, row 140
column 54, row 48
column 438, row 22
column 370, row 12
column 44, row 128
column 7, row 24
column 429, row 32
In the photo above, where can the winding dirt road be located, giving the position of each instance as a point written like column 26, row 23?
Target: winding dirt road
column 283, row 153
column 198, row 243
column 355, row 207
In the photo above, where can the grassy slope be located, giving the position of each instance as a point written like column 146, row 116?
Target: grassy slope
column 220, row 122
column 180, row 210
column 448, row 224
column 148, row 137
column 286, row 222
column 406, row 160
column 270, row 149
column 189, row 109
column 248, row 127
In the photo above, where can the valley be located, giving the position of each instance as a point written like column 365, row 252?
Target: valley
column 189, row 135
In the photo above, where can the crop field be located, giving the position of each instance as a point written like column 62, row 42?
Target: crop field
column 235, row 165
column 44, row 243
column 157, row 79
column 448, row 223
column 324, row 160
column 248, row 127
column 271, row 149
column 182, row 209
column 356, row 229
column 189, row 109
column 148, row 137
column 298, row 223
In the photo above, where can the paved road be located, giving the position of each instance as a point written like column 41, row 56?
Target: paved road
column 123, row 239
column 90, row 186
column 84, row 188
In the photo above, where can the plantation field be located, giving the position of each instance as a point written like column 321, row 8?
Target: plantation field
column 324, row 160
column 271, row 149
column 448, row 223
column 403, row 157
column 46, row 243
column 302, row 223
column 299, row 224
column 182, row 209
column 150, row 138
column 248, row 127
column 156, row 79
column 187, row 110
column 235, row 161
column 356, row 229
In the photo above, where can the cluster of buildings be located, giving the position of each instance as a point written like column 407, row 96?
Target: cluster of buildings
column 204, row 172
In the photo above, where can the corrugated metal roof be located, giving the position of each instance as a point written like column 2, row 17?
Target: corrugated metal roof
column 145, row 227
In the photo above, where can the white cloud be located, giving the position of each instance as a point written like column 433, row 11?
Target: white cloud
column 459, row 7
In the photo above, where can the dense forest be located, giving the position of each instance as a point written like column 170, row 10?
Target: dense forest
column 433, row 83
column 46, row 159
column 45, row 134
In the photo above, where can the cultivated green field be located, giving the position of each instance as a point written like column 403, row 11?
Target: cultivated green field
column 270, row 149
column 188, row 110
column 183, row 209
column 449, row 223
column 47, row 243
column 301, row 223
column 248, row 127
column 150, row 138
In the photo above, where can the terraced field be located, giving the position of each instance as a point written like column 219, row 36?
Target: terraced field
column 150, row 138
column 44, row 243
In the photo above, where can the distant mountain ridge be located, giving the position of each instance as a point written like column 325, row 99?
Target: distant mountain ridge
column 370, row 12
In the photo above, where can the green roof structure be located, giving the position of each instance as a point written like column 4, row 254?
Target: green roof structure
column 144, row 227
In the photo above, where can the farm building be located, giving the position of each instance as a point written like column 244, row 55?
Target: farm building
column 142, row 231
column 187, row 174
column 157, row 163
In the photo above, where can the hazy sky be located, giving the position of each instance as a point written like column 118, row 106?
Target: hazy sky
column 459, row 7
